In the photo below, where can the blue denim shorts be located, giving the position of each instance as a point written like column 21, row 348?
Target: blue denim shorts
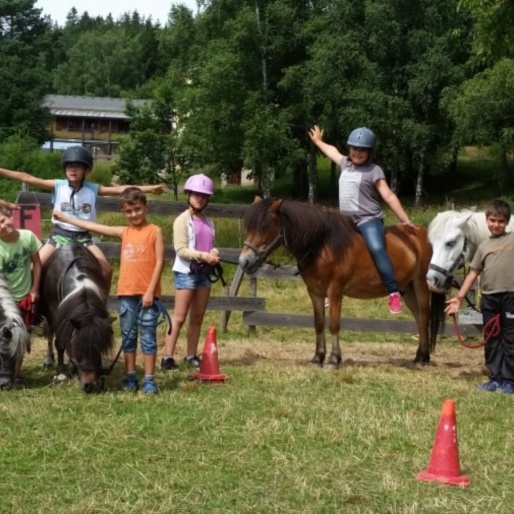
column 132, row 321
column 191, row 280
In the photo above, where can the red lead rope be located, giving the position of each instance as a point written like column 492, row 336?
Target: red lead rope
column 491, row 329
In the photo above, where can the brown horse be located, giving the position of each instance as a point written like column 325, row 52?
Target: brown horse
column 334, row 262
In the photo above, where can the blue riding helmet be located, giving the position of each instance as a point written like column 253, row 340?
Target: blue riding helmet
column 361, row 137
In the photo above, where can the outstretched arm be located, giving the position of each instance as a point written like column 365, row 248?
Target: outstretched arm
column 316, row 135
column 27, row 178
column 9, row 205
column 105, row 230
column 394, row 204
column 157, row 189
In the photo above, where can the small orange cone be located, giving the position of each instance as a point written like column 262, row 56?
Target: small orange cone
column 444, row 462
column 209, row 368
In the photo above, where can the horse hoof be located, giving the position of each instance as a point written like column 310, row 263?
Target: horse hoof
column 315, row 363
column 48, row 365
column 60, row 378
column 331, row 366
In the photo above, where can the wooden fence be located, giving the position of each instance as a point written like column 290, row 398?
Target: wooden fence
column 252, row 307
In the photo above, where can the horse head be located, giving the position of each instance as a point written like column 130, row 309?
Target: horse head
column 14, row 340
column 90, row 338
column 263, row 228
column 448, row 235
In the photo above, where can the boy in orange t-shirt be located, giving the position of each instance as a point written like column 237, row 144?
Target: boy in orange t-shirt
column 139, row 283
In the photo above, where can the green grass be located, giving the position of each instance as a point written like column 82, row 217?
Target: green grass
column 279, row 436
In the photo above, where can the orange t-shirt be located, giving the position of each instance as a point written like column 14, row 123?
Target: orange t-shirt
column 137, row 261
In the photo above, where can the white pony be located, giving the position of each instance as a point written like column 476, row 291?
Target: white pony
column 455, row 237
column 14, row 336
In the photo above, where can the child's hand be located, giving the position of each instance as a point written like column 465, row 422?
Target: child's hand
column 158, row 189
column 316, row 134
column 213, row 257
column 147, row 300
column 58, row 215
column 410, row 227
column 452, row 306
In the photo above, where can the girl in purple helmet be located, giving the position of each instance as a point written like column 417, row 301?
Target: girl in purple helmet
column 362, row 185
column 193, row 239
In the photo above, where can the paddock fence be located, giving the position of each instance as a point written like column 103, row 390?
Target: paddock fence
column 252, row 307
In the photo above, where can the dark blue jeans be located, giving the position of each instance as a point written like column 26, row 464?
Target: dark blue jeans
column 373, row 234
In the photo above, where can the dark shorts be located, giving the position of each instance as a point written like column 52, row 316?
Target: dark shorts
column 62, row 237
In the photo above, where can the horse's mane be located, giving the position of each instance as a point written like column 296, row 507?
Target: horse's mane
column 11, row 319
column 306, row 226
column 82, row 316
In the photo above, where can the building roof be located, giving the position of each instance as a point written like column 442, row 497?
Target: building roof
column 89, row 106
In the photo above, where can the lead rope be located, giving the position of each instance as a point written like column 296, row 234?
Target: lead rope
column 491, row 329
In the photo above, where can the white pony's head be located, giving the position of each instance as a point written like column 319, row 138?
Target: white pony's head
column 14, row 337
column 448, row 233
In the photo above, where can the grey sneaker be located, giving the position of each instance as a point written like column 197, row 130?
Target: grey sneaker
column 169, row 364
column 193, row 361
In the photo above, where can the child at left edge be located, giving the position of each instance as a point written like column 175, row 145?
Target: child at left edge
column 21, row 267
column 139, row 281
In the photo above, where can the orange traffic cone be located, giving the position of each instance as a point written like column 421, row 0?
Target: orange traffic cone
column 209, row 368
column 444, row 462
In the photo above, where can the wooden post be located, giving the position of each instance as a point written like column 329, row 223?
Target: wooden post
column 234, row 289
column 252, row 292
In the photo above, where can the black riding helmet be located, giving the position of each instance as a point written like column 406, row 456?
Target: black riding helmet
column 78, row 154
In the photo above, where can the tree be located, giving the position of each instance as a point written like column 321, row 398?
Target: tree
column 24, row 79
column 150, row 153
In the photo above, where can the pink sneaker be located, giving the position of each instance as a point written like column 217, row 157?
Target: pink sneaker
column 395, row 303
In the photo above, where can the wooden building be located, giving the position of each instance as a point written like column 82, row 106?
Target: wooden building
column 95, row 122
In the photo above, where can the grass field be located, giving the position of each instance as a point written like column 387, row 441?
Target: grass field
column 279, row 436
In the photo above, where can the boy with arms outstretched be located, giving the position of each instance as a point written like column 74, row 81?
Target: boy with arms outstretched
column 76, row 198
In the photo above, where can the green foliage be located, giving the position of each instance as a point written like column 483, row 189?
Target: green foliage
column 25, row 50
column 102, row 173
column 23, row 154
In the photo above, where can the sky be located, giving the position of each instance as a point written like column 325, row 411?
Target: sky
column 158, row 9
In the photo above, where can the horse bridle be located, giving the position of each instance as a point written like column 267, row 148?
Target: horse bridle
column 263, row 254
column 448, row 273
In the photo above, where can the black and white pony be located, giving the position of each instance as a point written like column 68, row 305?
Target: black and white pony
column 73, row 300
column 14, row 336
column 455, row 237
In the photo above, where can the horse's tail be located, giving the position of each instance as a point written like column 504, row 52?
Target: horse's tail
column 437, row 317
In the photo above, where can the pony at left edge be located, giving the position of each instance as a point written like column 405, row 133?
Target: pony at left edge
column 14, row 336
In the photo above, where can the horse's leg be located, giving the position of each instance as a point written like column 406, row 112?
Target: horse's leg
column 60, row 376
column 50, row 358
column 334, row 327
column 417, row 299
column 318, row 305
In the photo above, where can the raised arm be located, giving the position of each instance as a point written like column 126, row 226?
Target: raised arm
column 156, row 189
column 316, row 135
column 27, row 178
column 105, row 230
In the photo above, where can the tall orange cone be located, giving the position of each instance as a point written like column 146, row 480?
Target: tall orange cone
column 444, row 462
column 209, row 367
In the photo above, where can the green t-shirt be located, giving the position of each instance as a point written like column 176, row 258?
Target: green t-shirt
column 16, row 262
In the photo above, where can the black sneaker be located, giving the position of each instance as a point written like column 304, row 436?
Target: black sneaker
column 169, row 364
column 193, row 361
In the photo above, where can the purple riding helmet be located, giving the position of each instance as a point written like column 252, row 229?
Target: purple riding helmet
column 199, row 184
